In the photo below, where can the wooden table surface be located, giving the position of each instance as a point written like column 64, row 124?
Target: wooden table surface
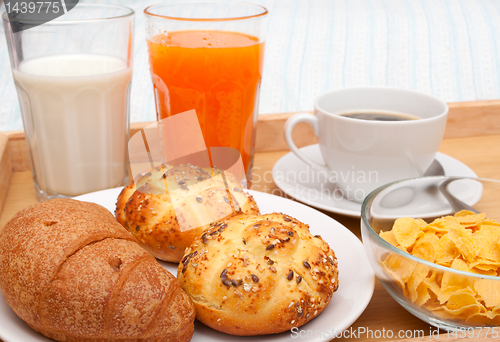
column 481, row 153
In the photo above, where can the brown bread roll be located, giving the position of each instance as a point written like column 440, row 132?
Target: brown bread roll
column 70, row 271
column 166, row 222
column 255, row 275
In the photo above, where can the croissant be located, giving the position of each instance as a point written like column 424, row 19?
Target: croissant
column 72, row 273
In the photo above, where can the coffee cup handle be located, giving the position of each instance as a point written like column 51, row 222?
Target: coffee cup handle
column 288, row 128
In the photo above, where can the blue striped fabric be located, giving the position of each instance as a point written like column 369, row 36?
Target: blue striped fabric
column 446, row 48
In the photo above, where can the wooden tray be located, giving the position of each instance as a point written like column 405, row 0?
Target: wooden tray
column 472, row 136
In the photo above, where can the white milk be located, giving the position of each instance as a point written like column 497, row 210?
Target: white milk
column 75, row 116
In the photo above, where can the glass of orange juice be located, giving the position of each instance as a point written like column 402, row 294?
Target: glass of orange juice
column 208, row 56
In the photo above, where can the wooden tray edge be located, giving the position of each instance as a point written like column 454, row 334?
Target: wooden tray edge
column 465, row 119
column 5, row 168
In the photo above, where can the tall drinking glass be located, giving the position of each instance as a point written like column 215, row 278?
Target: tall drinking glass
column 208, row 56
column 73, row 77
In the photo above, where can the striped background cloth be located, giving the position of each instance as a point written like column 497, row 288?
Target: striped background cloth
column 448, row 48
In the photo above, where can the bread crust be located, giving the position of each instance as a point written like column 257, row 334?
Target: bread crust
column 255, row 275
column 164, row 222
column 70, row 271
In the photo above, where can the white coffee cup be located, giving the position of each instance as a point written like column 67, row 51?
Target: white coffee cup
column 361, row 155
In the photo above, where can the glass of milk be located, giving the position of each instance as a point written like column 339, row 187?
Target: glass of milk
column 73, row 77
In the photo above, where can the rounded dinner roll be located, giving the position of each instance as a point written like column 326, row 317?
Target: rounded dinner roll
column 72, row 273
column 256, row 275
column 164, row 222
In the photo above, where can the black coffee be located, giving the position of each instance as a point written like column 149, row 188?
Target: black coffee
column 380, row 116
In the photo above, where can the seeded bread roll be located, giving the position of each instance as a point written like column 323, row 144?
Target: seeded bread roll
column 256, row 275
column 166, row 222
column 72, row 273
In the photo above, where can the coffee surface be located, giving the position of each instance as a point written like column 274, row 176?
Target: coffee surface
column 379, row 116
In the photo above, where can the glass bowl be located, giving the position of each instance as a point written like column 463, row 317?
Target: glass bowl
column 450, row 280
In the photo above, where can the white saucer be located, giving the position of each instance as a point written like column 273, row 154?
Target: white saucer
column 308, row 187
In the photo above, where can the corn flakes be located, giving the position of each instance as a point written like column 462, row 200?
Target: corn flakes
column 466, row 242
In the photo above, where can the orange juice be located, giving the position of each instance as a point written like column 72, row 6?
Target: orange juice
column 216, row 73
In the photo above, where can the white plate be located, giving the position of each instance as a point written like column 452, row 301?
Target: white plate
column 303, row 183
column 355, row 290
